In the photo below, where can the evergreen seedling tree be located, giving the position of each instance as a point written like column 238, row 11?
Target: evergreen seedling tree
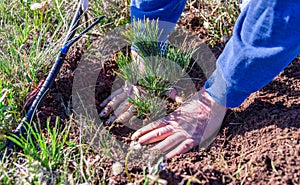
column 160, row 68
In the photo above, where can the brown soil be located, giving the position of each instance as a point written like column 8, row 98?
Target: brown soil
column 259, row 142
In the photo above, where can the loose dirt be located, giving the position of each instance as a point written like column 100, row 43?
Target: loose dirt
column 259, row 142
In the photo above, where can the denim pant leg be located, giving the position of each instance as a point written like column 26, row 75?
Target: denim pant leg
column 166, row 11
column 265, row 40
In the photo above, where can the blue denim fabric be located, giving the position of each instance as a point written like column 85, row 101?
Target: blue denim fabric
column 265, row 40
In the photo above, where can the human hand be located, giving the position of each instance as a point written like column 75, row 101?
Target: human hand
column 119, row 107
column 196, row 122
column 118, row 103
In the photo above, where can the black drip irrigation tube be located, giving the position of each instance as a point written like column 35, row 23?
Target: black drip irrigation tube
column 53, row 73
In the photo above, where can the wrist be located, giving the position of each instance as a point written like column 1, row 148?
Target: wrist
column 211, row 99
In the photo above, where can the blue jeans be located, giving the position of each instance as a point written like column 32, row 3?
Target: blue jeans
column 266, row 38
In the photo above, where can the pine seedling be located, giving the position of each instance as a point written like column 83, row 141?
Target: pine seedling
column 159, row 70
column 145, row 37
column 128, row 70
column 179, row 57
column 148, row 107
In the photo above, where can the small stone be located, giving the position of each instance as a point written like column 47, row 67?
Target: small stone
column 206, row 25
column 135, row 146
column 117, row 168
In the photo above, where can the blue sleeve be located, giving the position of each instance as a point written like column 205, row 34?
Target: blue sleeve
column 265, row 40
column 166, row 11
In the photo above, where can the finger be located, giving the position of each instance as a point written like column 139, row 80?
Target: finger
column 106, row 111
column 123, row 107
column 156, row 135
column 113, row 94
column 170, row 142
column 185, row 146
column 173, row 94
column 125, row 116
column 148, row 128
column 136, row 123
column 113, row 104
